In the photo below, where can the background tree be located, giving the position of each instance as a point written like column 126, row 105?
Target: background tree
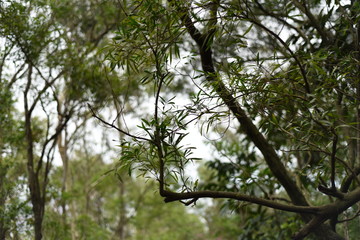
column 42, row 50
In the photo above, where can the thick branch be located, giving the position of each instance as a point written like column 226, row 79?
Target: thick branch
column 172, row 196
column 273, row 161
column 33, row 178
column 349, row 179
column 329, row 211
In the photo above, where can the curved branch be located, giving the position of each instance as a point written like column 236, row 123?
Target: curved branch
column 329, row 211
column 278, row 18
column 298, row 62
column 349, row 179
column 115, row 127
column 326, row 35
column 313, row 216
column 172, row 196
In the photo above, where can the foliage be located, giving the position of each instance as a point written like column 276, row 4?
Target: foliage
column 272, row 85
column 276, row 86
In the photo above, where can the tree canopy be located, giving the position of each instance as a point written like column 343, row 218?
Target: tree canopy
column 272, row 86
column 275, row 83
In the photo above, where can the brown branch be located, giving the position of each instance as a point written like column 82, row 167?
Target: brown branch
column 33, row 178
column 331, row 191
column 43, row 90
column 157, row 138
column 329, row 211
column 58, row 130
column 272, row 159
column 306, row 230
column 172, row 196
column 357, row 214
column 47, row 170
column 349, row 179
column 15, row 76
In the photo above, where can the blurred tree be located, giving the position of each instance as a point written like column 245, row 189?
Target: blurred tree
column 50, row 54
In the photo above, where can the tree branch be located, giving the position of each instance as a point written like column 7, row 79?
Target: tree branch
column 172, row 196
column 115, row 127
column 325, row 35
column 329, row 211
column 271, row 158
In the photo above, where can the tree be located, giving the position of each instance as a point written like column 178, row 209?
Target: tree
column 11, row 166
column 50, row 55
column 276, row 80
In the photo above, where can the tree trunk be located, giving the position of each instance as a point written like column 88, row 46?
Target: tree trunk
column 33, row 177
column 121, row 226
column 3, row 228
column 66, row 184
column 120, row 229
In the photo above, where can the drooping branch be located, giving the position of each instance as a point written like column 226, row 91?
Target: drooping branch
column 279, row 18
column 245, row 16
column 349, row 179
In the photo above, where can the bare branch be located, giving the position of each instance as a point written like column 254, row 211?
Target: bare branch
column 115, row 127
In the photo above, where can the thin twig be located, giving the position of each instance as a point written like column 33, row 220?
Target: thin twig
column 115, row 127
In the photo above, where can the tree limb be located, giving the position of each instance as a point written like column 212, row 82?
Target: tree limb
column 172, row 196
